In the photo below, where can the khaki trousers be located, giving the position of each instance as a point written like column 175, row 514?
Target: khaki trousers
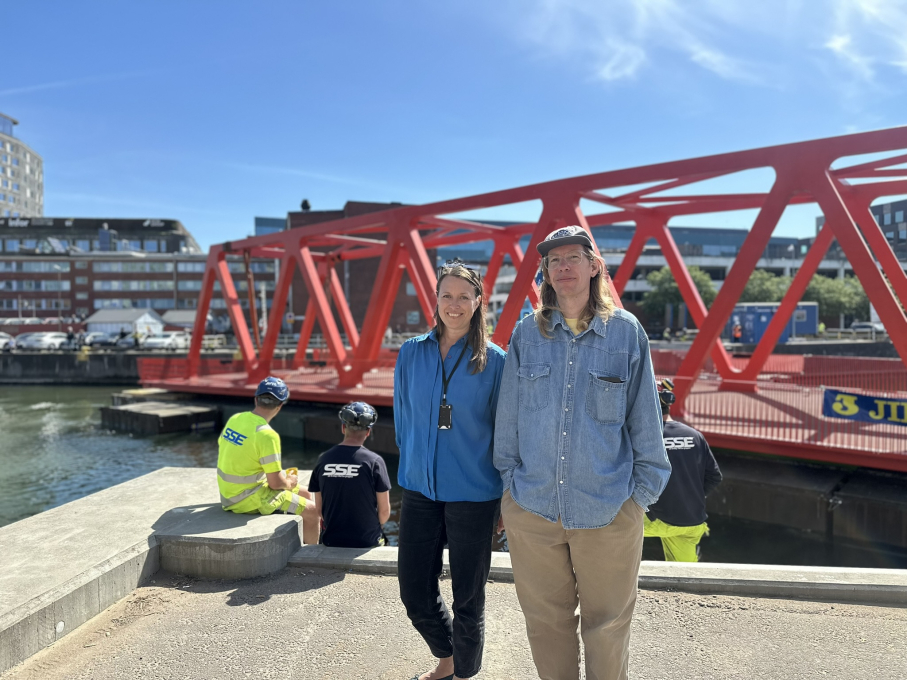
column 556, row 569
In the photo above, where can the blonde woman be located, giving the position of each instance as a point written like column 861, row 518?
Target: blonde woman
column 445, row 395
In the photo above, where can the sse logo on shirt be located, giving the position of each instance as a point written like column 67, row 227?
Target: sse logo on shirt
column 346, row 470
column 235, row 437
column 678, row 443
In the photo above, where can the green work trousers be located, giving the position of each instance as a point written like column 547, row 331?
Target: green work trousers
column 679, row 543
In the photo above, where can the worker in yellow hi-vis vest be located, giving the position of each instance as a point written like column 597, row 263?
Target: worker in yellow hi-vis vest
column 249, row 473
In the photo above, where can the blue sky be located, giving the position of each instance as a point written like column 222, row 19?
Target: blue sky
column 215, row 112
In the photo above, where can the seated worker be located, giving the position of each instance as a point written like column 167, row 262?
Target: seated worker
column 351, row 485
column 678, row 518
column 249, row 474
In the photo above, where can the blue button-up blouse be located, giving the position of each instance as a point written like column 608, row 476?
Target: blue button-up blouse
column 454, row 464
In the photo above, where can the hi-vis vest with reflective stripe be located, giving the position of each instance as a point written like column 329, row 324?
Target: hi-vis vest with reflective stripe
column 247, row 449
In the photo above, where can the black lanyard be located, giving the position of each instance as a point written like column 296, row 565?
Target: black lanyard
column 445, row 380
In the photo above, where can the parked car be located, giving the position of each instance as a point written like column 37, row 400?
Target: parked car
column 42, row 341
column 20, row 340
column 98, row 339
column 867, row 326
column 172, row 340
column 6, row 342
column 129, row 342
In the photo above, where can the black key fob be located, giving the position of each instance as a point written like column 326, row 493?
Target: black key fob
column 444, row 417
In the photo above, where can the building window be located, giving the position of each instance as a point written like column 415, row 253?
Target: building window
column 29, row 244
column 133, row 267
column 81, row 296
column 81, row 264
column 12, row 245
column 83, row 245
column 162, row 246
column 412, row 318
column 189, row 285
column 191, row 267
column 16, row 161
column 133, row 285
column 410, row 288
column 187, row 303
column 135, row 245
column 899, row 216
column 150, row 245
column 43, row 267
column 15, row 186
column 81, row 280
column 887, row 218
column 82, row 311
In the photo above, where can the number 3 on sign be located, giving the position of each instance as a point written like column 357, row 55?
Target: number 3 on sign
column 845, row 405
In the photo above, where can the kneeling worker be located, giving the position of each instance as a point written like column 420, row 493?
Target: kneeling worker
column 351, row 484
column 249, row 473
column 678, row 518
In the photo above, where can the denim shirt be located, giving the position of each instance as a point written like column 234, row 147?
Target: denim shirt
column 578, row 427
column 454, row 464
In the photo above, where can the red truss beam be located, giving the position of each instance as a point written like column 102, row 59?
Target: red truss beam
column 401, row 237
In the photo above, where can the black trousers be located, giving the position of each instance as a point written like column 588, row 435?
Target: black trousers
column 467, row 528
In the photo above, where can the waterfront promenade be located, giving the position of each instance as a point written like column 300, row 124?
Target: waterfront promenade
column 89, row 590
column 306, row 624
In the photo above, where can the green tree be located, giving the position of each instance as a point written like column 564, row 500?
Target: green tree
column 665, row 291
column 765, row 286
column 838, row 296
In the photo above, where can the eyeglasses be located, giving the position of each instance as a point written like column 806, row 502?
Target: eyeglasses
column 450, row 264
column 571, row 260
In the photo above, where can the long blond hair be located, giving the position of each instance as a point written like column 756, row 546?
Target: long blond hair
column 600, row 302
column 477, row 337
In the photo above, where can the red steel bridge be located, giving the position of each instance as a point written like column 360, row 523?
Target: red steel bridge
column 767, row 403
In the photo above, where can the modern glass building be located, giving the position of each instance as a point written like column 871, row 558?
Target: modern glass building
column 21, row 175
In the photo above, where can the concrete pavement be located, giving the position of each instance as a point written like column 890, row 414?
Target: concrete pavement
column 307, row 624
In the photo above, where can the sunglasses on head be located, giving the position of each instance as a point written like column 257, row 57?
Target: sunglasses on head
column 450, row 264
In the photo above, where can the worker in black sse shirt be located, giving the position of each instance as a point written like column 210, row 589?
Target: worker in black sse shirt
column 678, row 518
column 351, row 484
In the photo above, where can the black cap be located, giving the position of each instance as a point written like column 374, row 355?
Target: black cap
column 564, row 236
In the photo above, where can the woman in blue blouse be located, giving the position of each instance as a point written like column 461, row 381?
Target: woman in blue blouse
column 445, row 396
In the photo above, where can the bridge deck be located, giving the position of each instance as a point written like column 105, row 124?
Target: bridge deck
column 782, row 418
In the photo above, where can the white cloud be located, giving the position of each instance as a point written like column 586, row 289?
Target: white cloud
column 768, row 43
column 618, row 38
column 842, row 46
column 624, row 60
column 74, row 82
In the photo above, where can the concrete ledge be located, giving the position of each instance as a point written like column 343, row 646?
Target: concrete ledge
column 858, row 586
column 887, row 587
column 64, row 566
column 211, row 543
column 381, row 560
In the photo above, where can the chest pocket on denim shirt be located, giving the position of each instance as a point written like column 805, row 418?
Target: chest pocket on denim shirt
column 534, row 387
column 606, row 397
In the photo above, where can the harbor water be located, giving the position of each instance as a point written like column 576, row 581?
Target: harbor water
column 54, row 451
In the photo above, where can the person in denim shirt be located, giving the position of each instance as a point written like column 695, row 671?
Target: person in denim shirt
column 445, row 394
column 579, row 447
